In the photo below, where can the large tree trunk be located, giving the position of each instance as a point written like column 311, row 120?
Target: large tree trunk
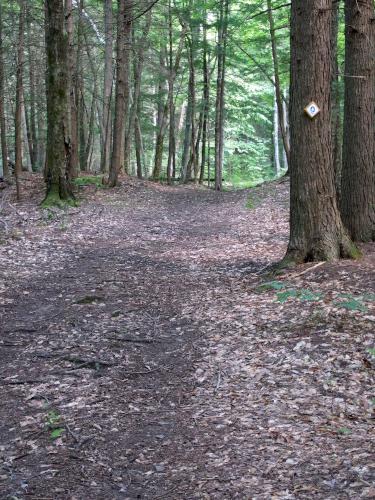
column 108, row 83
column 4, row 146
column 317, row 232
column 358, row 172
column 58, row 143
column 123, row 26
column 19, row 98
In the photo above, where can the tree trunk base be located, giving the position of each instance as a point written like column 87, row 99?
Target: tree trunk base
column 59, row 196
column 344, row 249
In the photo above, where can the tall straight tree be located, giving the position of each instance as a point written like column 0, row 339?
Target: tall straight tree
column 123, row 30
column 220, row 93
column 4, row 146
column 19, row 97
column 278, row 92
column 72, row 85
column 358, row 172
column 317, row 232
column 58, row 142
column 108, row 83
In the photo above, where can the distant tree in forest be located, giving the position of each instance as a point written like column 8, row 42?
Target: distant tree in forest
column 358, row 172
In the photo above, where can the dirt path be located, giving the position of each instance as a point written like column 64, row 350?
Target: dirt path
column 139, row 358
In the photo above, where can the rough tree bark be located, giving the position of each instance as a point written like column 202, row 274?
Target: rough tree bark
column 358, row 171
column 58, row 142
column 316, row 232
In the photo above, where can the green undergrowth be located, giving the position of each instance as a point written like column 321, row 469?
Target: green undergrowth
column 89, row 180
column 285, row 291
column 53, row 200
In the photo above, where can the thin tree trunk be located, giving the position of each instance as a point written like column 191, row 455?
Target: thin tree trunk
column 206, row 101
column 26, row 137
column 358, row 172
column 73, row 66
column 171, row 167
column 279, row 97
column 32, row 115
column 19, row 97
column 164, row 114
column 220, row 93
column 336, row 98
column 108, row 85
column 123, row 22
column 128, row 118
column 4, row 146
column 286, row 121
column 138, row 63
column 276, row 124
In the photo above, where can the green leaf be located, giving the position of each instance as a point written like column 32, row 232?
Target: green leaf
column 309, row 295
column 371, row 351
column 284, row 296
column 344, row 431
column 53, row 417
column 56, row 433
column 352, row 305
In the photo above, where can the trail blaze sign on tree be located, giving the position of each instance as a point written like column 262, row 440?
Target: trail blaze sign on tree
column 312, row 110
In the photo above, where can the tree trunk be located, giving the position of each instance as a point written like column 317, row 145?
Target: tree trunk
column 278, row 94
column 108, row 84
column 123, row 26
column 19, row 98
column 163, row 115
column 220, row 93
column 358, row 172
column 206, row 101
column 139, row 153
column 138, row 62
column 58, row 144
column 276, row 123
column 32, row 106
column 73, row 98
column 171, row 167
column 4, row 146
column 336, row 98
column 286, row 121
column 317, row 232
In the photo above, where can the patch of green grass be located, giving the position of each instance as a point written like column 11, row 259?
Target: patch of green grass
column 89, row 180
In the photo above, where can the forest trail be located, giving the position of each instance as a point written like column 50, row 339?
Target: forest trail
column 134, row 332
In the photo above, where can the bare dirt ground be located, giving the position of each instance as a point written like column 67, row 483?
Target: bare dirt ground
column 141, row 357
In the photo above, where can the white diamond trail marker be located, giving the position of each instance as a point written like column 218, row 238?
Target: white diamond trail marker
column 312, row 110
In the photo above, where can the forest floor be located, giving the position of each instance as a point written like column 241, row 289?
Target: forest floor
column 141, row 357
